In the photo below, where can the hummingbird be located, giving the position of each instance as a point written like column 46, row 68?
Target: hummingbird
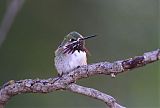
column 71, row 53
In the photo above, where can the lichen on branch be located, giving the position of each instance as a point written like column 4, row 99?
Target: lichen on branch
column 67, row 81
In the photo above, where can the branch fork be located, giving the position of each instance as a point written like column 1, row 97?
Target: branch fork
column 67, row 81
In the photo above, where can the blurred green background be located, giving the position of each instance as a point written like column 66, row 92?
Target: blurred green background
column 125, row 28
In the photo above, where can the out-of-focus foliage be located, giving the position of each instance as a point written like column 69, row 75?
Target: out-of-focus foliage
column 125, row 28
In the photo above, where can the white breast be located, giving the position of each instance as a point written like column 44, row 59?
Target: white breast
column 70, row 61
column 77, row 59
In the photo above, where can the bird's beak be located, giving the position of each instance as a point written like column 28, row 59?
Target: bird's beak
column 87, row 37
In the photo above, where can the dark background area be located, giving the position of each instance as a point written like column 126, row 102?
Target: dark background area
column 125, row 28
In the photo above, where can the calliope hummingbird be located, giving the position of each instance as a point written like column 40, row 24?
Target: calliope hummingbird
column 71, row 53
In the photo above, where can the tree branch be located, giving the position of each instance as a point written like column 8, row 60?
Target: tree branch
column 12, row 10
column 109, row 100
column 67, row 81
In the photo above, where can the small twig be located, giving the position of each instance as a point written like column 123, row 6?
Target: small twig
column 67, row 81
column 109, row 100
column 12, row 9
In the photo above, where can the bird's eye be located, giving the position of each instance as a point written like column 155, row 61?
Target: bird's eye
column 72, row 40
